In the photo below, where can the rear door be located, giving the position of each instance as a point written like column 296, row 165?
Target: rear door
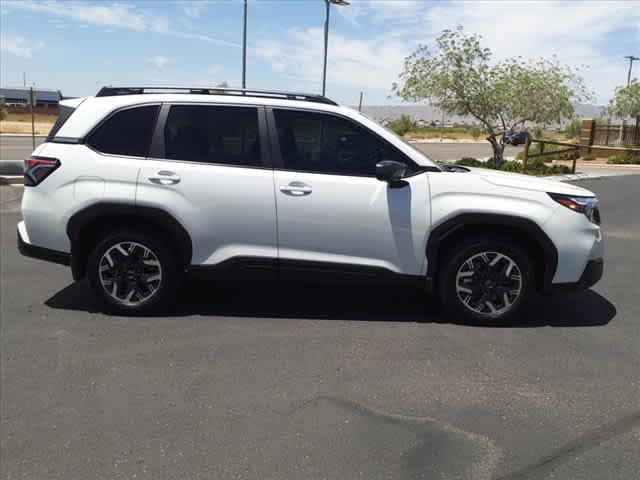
column 210, row 168
column 333, row 213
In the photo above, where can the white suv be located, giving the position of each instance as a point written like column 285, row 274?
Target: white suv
column 137, row 186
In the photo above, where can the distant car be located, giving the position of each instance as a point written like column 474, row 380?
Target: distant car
column 133, row 188
column 516, row 138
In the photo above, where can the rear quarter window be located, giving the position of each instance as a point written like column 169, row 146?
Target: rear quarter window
column 63, row 115
column 126, row 132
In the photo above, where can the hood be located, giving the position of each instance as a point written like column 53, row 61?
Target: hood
column 528, row 182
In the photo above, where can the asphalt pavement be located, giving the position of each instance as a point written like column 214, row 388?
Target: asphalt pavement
column 308, row 382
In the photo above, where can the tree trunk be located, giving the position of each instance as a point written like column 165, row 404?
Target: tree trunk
column 498, row 149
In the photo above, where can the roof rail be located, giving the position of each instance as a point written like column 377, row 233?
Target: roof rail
column 243, row 92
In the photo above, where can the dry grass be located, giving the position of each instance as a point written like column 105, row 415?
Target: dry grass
column 446, row 135
column 21, row 123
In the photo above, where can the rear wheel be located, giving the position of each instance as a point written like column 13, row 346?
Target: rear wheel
column 486, row 279
column 133, row 272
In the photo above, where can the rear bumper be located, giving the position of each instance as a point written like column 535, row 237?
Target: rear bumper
column 42, row 253
column 590, row 276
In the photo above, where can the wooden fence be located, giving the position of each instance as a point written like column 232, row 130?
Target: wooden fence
column 616, row 135
column 580, row 148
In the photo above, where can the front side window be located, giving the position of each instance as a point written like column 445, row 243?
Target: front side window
column 213, row 134
column 127, row 132
column 319, row 143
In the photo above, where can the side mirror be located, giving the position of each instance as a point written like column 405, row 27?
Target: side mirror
column 391, row 172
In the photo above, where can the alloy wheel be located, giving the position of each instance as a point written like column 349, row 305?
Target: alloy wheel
column 489, row 283
column 130, row 273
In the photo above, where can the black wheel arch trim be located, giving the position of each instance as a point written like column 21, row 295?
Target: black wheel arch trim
column 453, row 225
column 156, row 216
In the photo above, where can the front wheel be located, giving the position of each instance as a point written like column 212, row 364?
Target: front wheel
column 486, row 279
column 133, row 272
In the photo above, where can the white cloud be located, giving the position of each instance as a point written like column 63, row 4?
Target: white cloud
column 371, row 63
column 575, row 32
column 19, row 46
column 112, row 15
column 160, row 62
column 192, row 8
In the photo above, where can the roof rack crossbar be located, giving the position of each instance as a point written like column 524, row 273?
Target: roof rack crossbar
column 307, row 97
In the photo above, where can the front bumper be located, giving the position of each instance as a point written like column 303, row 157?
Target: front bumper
column 590, row 276
column 42, row 253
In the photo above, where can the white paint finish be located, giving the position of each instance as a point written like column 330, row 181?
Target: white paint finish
column 228, row 211
column 453, row 194
column 24, row 234
column 357, row 220
column 48, row 207
column 231, row 211
column 577, row 241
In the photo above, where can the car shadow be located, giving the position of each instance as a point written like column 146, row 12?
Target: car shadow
column 370, row 303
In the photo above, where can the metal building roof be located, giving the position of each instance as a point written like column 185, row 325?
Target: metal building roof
column 22, row 93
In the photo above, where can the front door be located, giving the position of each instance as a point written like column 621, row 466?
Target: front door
column 330, row 207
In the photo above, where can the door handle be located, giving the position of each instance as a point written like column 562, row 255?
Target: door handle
column 296, row 189
column 165, row 177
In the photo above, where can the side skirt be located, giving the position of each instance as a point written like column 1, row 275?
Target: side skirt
column 300, row 271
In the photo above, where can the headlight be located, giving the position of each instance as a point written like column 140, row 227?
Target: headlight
column 588, row 206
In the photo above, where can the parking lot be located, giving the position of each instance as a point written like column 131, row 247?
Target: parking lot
column 310, row 382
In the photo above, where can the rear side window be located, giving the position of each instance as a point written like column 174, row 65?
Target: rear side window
column 213, row 134
column 127, row 132
column 63, row 115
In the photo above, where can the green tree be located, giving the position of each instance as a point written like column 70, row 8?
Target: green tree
column 626, row 101
column 459, row 77
column 3, row 110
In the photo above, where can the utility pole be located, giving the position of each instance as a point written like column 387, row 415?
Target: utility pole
column 327, row 5
column 360, row 103
column 24, row 79
column 32, row 101
column 631, row 60
column 244, row 48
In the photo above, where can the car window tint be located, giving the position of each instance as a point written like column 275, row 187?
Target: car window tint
column 315, row 142
column 127, row 132
column 213, row 134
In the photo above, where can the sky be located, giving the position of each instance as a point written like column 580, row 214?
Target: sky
column 79, row 46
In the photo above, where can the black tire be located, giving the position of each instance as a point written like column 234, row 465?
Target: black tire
column 491, row 281
column 169, row 267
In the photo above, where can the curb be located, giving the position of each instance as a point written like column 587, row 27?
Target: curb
column 11, row 180
column 11, row 167
column 23, row 135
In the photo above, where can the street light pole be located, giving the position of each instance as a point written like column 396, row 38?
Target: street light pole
column 631, row 60
column 327, row 5
column 244, row 48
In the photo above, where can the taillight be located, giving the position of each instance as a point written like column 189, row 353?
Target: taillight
column 36, row 169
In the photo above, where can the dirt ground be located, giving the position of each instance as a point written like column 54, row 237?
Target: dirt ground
column 21, row 123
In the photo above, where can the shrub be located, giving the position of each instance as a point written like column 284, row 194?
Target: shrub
column 476, row 131
column 572, row 155
column 471, row 162
column 511, row 166
column 572, row 129
column 3, row 111
column 626, row 158
column 402, row 124
column 538, row 132
column 535, row 167
column 589, row 157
